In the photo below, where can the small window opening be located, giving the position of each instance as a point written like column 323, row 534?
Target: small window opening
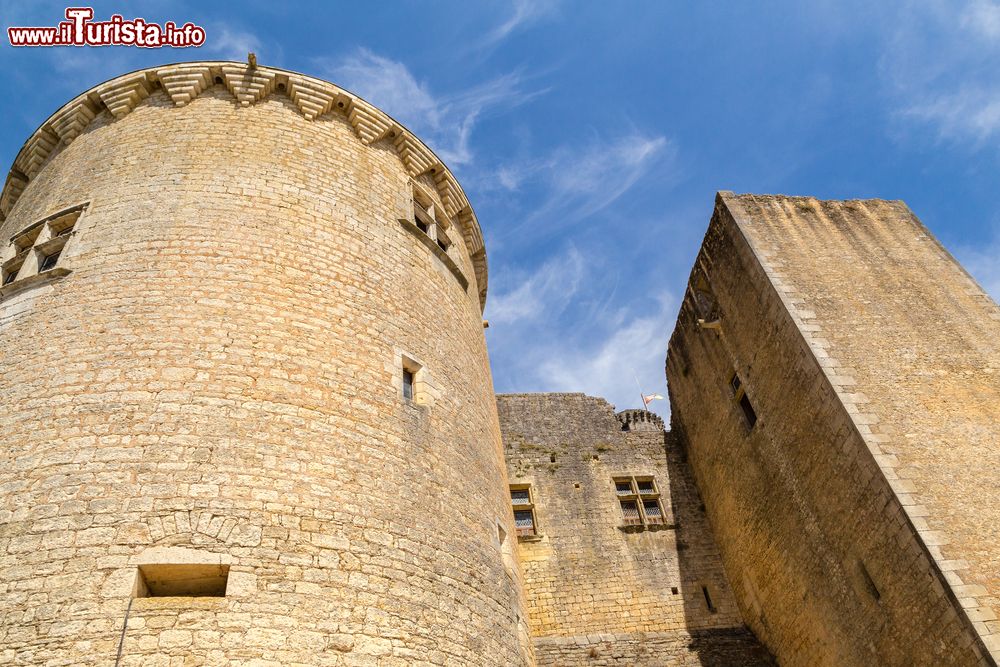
column 552, row 458
column 741, row 398
column 646, row 486
column 630, row 512
column 218, row 80
column 423, row 226
column 49, row 261
column 182, row 580
column 408, row 384
column 623, row 487
column 524, row 510
column 869, row 582
column 748, row 411
column 9, row 276
column 708, row 599
column 673, row 590
column 654, row 514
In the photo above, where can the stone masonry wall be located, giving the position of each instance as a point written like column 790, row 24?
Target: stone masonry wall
column 218, row 380
column 821, row 527
column 600, row 593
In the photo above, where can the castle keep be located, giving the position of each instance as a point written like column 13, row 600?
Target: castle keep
column 247, row 417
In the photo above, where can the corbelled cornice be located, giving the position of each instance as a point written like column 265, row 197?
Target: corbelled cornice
column 312, row 97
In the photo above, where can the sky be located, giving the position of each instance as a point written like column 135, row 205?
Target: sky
column 591, row 137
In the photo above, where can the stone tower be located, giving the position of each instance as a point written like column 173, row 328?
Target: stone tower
column 245, row 403
column 835, row 376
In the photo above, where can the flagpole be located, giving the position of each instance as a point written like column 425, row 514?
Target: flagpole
column 642, row 397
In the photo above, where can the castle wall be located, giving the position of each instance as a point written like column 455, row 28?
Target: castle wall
column 218, row 381
column 600, row 592
column 855, row 517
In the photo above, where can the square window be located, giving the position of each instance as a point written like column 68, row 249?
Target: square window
column 520, row 496
column 623, row 487
column 630, row 512
column 646, row 486
column 524, row 522
column 654, row 514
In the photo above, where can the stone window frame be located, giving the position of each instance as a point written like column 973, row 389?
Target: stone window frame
column 525, row 534
column 425, row 392
column 636, row 496
column 24, row 259
column 430, row 224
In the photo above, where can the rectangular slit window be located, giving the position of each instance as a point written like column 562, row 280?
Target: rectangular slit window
column 748, row 412
column 708, row 599
column 182, row 580
column 407, row 384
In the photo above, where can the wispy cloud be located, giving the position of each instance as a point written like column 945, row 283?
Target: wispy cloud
column 546, row 291
column 574, row 182
column 229, row 43
column 445, row 121
column 564, row 327
column 610, row 365
column 940, row 66
column 525, row 13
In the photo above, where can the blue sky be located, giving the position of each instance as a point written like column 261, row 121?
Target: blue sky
column 591, row 137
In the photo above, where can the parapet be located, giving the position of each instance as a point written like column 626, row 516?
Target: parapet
column 249, row 85
column 640, row 420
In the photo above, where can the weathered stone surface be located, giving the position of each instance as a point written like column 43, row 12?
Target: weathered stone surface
column 217, row 373
column 857, row 517
column 601, row 593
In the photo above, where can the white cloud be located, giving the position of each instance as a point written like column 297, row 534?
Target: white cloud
column 580, row 180
column 545, row 292
column 525, row 13
column 231, row 43
column 940, row 67
column 446, row 122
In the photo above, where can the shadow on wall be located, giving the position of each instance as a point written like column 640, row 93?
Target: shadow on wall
column 719, row 638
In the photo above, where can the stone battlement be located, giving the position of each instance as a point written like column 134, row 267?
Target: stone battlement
column 314, row 98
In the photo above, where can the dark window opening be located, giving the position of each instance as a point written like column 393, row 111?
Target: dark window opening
column 520, row 496
column 524, row 522
column 407, row 384
column 9, row 278
column 748, row 411
column 869, row 582
column 708, row 599
column 552, row 458
column 49, row 261
column 653, row 512
column 673, row 590
column 442, row 244
column 735, row 384
column 423, row 226
column 623, row 487
column 646, row 486
column 182, row 580
column 630, row 511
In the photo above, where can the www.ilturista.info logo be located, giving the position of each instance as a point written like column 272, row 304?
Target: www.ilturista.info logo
column 80, row 30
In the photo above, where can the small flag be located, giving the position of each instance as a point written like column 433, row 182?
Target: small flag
column 652, row 397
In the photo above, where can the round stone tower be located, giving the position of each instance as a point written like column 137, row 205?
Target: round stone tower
column 245, row 402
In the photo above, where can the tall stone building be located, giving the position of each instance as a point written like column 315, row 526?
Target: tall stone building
column 245, row 399
column 247, row 417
